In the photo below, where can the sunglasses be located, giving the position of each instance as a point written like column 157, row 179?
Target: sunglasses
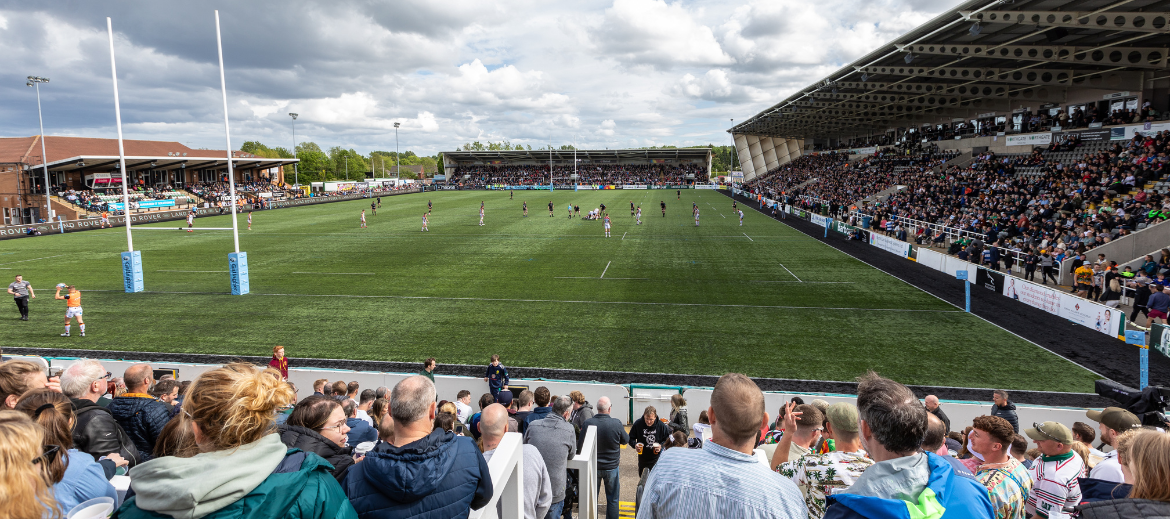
column 1041, row 431
column 50, row 451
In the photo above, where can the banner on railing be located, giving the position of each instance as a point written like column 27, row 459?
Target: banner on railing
column 1104, row 319
column 990, row 280
column 634, row 186
column 820, row 221
column 890, row 245
column 704, row 186
column 1031, row 139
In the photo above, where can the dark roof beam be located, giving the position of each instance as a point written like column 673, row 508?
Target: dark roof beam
column 1108, row 21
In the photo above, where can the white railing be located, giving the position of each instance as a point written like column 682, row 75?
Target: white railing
column 507, row 471
column 586, row 464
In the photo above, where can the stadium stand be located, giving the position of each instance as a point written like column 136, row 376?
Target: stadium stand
column 525, row 168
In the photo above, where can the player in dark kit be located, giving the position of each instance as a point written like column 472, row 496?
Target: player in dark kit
column 679, row 194
column 428, row 207
column 525, row 209
column 631, row 208
column 664, row 208
column 550, row 209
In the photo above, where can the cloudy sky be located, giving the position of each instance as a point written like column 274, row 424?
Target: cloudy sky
column 602, row 74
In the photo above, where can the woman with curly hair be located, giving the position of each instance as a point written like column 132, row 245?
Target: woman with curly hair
column 25, row 486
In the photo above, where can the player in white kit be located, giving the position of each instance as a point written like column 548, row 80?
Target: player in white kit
column 638, row 215
column 249, row 220
column 481, row 213
column 363, row 219
column 190, row 220
column 607, row 225
column 740, row 211
column 696, row 217
column 424, row 227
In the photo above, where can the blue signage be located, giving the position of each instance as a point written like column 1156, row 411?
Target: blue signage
column 1137, row 338
column 962, row 274
column 132, row 271
column 238, row 270
column 145, row 204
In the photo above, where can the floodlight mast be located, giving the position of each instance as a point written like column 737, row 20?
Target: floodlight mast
column 397, row 159
column 35, row 81
column 296, row 176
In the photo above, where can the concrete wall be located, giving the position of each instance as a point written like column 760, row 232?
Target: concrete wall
column 759, row 155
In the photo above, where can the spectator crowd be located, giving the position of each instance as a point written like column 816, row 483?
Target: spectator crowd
column 589, row 173
column 237, row 442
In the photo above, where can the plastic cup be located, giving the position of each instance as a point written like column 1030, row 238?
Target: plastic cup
column 96, row 508
column 639, row 446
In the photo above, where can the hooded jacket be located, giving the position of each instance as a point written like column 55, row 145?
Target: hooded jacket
column 98, row 434
column 360, row 431
column 261, row 480
column 946, row 496
column 308, row 440
column 582, row 413
column 1125, row 509
column 1007, row 412
column 440, row 476
column 143, row 418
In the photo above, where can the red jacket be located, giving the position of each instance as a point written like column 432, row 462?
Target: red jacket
column 281, row 365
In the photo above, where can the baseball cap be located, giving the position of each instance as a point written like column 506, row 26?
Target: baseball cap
column 504, row 398
column 843, row 416
column 1115, row 418
column 1055, row 431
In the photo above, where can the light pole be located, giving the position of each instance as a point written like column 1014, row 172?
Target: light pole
column 347, row 166
column 296, row 175
column 35, row 81
column 731, row 163
column 397, row 159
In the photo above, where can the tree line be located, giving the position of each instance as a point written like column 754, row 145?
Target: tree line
column 722, row 157
column 338, row 163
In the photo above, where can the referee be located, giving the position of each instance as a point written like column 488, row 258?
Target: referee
column 21, row 290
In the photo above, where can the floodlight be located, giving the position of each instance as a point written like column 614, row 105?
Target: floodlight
column 909, row 58
column 864, row 76
column 397, row 125
column 294, row 116
column 975, row 29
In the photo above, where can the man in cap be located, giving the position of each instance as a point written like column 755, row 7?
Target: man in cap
column 818, row 475
column 1054, row 474
column 1113, row 421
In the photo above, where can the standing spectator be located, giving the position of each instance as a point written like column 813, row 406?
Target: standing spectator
column 429, row 369
column 484, row 401
column 1145, row 454
column 21, row 291
column 647, row 436
column 1157, row 306
column 537, row 490
column 1006, row 479
column 359, row 430
column 319, row 386
column 351, row 390
column 364, row 404
column 611, row 435
column 463, row 406
column 819, row 475
column 1113, row 421
column 556, row 440
column 425, row 472
column 678, row 415
column 280, row 363
column 724, row 478
column 934, row 408
column 318, row 425
column 524, row 403
column 935, row 441
column 95, row 432
column 581, row 409
column 140, row 415
column 339, row 389
column 78, row 478
column 242, row 469
column 807, row 423
column 1004, row 408
column 496, row 376
column 1140, row 298
column 1047, row 269
column 27, row 488
column 542, row 396
column 1055, row 473
column 892, row 426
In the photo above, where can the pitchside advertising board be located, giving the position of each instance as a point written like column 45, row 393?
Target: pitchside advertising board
column 1160, row 339
column 890, row 245
column 1109, row 321
column 819, row 220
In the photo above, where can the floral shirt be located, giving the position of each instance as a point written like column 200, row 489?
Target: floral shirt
column 1008, row 487
column 821, row 475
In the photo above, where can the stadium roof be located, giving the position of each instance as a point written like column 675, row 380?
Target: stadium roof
column 82, row 154
column 981, row 57
column 588, row 155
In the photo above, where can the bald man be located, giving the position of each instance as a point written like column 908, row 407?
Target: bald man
column 934, row 408
column 611, row 435
column 493, row 424
column 142, row 416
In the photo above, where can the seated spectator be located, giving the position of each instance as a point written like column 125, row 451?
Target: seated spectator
column 702, row 425
column 140, row 415
column 1100, row 490
column 379, row 410
column 424, row 472
column 646, row 436
column 359, row 430
column 1149, row 465
column 319, row 386
column 724, row 478
column 1055, row 473
column 538, row 493
column 27, row 487
column 167, row 392
column 892, row 425
column 819, row 475
column 318, row 425
column 1020, row 450
column 556, row 440
column 242, row 469
column 95, row 431
column 18, row 377
column 78, row 478
column 1006, row 479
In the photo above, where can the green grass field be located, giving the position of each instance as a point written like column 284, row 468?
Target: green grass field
column 663, row 297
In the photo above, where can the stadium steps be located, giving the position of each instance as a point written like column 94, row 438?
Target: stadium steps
column 805, row 183
column 67, row 209
column 191, row 196
column 881, row 195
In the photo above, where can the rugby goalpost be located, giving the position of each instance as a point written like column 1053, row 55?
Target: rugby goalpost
column 132, row 259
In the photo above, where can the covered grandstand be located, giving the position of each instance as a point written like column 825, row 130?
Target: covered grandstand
column 984, row 75
column 664, row 166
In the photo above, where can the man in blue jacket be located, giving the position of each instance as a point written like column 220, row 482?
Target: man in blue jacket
column 424, row 472
column 905, row 482
column 141, row 415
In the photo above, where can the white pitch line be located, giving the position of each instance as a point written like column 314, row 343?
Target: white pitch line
column 817, row 282
column 505, row 300
column 34, row 259
column 748, row 237
column 338, row 273
column 604, row 271
column 624, row 235
column 790, row 272
column 224, row 271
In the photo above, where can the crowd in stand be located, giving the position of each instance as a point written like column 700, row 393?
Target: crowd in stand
column 650, row 174
column 236, row 442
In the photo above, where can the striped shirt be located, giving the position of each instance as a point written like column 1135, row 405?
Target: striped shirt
column 718, row 482
column 1055, row 485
